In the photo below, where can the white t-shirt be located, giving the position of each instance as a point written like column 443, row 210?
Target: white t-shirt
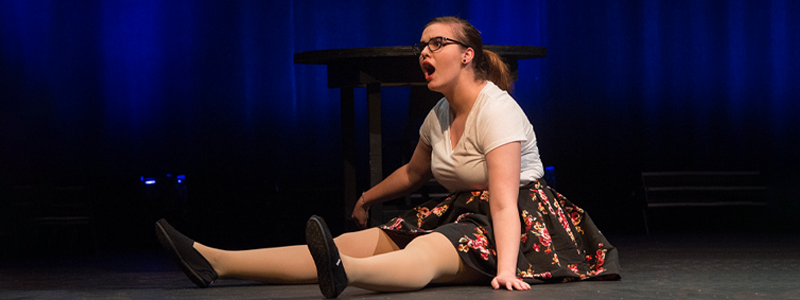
column 494, row 120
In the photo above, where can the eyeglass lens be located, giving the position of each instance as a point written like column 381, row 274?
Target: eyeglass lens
column 433, row 44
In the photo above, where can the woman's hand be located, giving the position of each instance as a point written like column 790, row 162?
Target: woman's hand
column 402, row 181
column 511, row 283
column 361, row 213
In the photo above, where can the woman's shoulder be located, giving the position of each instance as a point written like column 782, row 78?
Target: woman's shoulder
column 494, row 99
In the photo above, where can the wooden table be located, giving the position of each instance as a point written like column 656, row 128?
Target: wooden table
column 374, row 68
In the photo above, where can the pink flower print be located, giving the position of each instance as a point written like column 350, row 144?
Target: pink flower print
column 461, row 217
column 573, row 268
column 528, row 220
column 576, row 218
column 544, row 236
column 550, row 207
column 478, row 244
column 485, row 196
column 422, row 213
column 559, row 196
column 601, row 257
column 598, row 271
column 564, row 223
column 439, row 210
column 542, row 196
column 396, row 225
column 576, row 208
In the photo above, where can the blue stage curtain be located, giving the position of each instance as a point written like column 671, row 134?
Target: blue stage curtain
column 120, row 88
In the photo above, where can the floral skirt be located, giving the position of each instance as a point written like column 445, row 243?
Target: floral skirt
column 559, row 241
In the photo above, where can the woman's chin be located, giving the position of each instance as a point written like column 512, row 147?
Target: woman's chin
column 433, row 87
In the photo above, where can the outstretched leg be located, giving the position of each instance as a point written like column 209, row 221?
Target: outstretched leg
column 427, row 259
column 291, row 264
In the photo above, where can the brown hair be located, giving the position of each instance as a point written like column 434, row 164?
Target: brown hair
column 487, row 64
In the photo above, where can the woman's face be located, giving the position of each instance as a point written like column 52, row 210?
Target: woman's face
column 441, row 68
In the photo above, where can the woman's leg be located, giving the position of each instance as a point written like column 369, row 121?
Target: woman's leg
column 427, row 259
column 291, row 264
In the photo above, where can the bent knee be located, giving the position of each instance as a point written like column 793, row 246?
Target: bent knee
column 434, row 239
column 437, row 247
column 365, row 243
column 357, row 236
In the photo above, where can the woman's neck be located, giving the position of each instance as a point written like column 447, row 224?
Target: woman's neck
column 463, row 97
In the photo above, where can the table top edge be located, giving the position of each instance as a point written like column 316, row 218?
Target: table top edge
column 344, row 54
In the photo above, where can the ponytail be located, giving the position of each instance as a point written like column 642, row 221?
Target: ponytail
column 497, row 71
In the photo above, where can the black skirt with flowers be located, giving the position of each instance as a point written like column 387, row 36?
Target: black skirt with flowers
column 559, row 241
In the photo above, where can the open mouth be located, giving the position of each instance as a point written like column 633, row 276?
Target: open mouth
column 428, row 69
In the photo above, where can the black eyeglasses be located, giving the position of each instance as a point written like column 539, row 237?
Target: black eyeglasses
column 434, row 44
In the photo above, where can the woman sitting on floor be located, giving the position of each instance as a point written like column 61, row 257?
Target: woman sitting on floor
column 501, row 225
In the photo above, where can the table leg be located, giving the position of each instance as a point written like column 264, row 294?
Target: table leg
column 349, row 149
column 375, row 146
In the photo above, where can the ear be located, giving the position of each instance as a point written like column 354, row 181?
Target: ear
column 467, row 55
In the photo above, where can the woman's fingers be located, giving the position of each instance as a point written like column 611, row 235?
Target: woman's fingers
column 518, row 285
column 515, row 284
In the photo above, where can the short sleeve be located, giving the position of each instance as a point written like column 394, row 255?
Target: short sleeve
column 500, row 123
column 431, row 122
column 425, row 129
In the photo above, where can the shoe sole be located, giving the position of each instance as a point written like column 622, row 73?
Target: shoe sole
column 173, row 253
column 319, row 249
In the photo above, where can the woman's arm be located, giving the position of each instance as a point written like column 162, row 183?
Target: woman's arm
column 504, row 168
column 402, row 181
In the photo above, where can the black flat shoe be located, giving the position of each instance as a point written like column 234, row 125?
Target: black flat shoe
column 180, row 249
column 330, row 271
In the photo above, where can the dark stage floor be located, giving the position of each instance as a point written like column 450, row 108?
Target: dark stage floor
column 656, row 266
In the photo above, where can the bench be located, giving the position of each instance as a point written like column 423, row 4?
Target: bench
column 698, row 189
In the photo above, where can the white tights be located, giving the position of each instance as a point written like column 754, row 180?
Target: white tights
column 371, row 259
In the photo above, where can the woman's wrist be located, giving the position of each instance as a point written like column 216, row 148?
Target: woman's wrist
column 363, row 200
column 506, row 273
